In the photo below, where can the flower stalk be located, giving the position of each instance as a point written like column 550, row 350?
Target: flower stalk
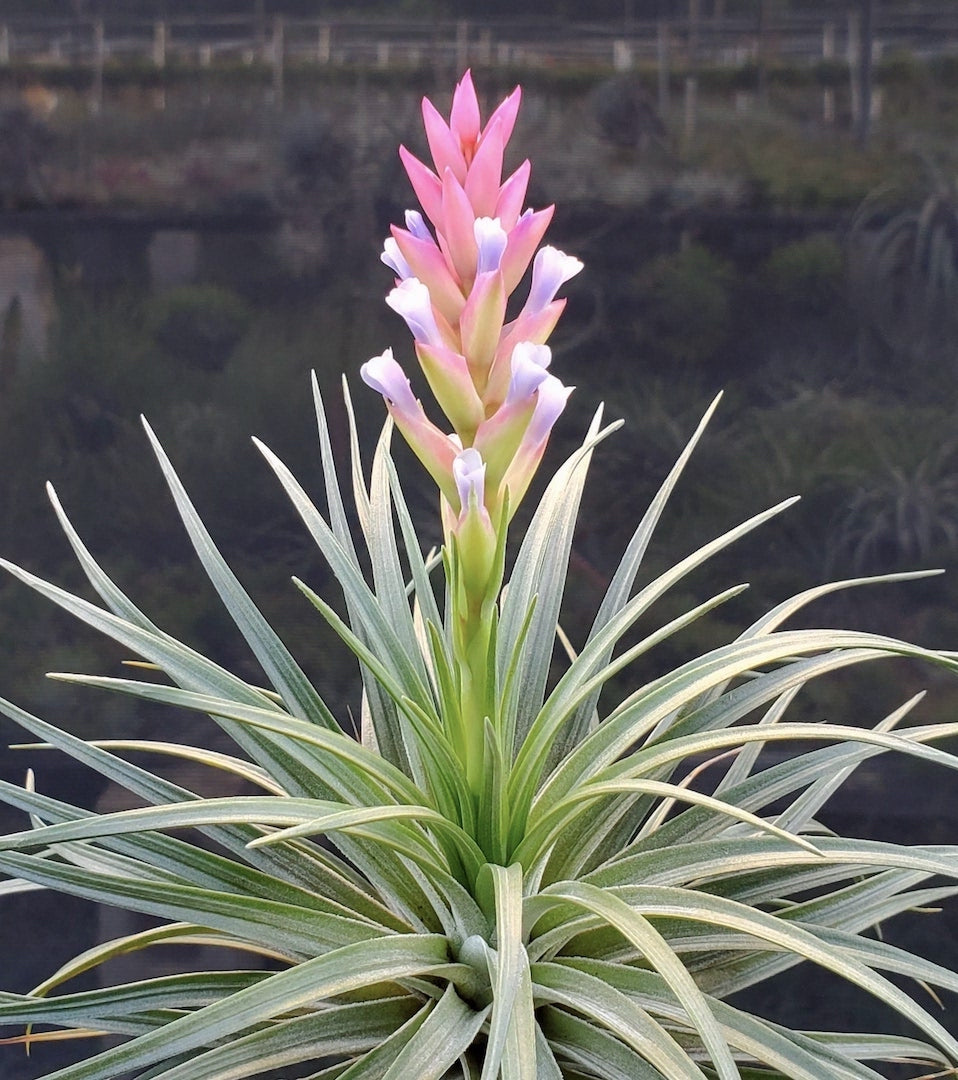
column 456, row 264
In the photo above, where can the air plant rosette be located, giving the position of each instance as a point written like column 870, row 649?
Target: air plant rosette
column 504, row 875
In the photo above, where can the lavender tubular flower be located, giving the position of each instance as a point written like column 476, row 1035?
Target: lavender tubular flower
column 410, row 299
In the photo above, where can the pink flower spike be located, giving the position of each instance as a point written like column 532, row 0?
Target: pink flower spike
column 523, row 241
column 464, row 115
column 410, row 299
column 456, row 224
column 429, row 265
column 491, row 240
column 512, row 196
column 506, row 112
column 485, row 172
column 393, row 258
column 425, row 183
column 443, row 144
column 550, row 270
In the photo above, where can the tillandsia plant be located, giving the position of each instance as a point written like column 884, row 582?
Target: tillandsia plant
column 506, row 875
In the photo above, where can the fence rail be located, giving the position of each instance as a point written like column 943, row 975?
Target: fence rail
column 924, row 29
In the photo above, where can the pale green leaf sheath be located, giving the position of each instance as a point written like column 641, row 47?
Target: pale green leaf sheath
column 505, row 875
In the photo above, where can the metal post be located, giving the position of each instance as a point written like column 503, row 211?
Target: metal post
column 4, row 44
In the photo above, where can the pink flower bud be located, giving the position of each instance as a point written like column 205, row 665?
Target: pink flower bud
column 464, row 115
column 485, row 172
column 425, row 183
column 444, row 146
column 450, row 380
column 429, row 265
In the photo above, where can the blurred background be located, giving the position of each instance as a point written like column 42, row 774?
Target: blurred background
column 193, row 197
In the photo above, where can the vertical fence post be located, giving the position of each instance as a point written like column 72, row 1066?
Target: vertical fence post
column 160, row 34
column 4, row 44
column 864, row 74
column 692, row 74
column 853, row 55
column 621, row 55
column 662, row 57
column 99, row 52
column 259, row 28
column 484, row 48
column 828, row 53
column 462, row 45
column 323, row 43
column 761, row 51
column 878, row 92
column 278, row 51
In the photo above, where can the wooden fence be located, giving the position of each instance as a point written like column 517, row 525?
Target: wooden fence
column 855, row 38
column 922, row 28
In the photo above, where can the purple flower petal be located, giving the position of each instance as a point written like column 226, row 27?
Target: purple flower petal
column 410, row 299
column 491, row 240
column 393, row 258
column 469, row 472
column 384, row 374
column 529, row 363
column 551, row 268
column 417, row 226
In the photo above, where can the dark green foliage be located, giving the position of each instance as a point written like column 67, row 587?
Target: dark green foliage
column 688, row 312
column 807, row 275
column 903, row 261
column 199, row 324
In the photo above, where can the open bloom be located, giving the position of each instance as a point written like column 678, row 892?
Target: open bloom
column 434, row 449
